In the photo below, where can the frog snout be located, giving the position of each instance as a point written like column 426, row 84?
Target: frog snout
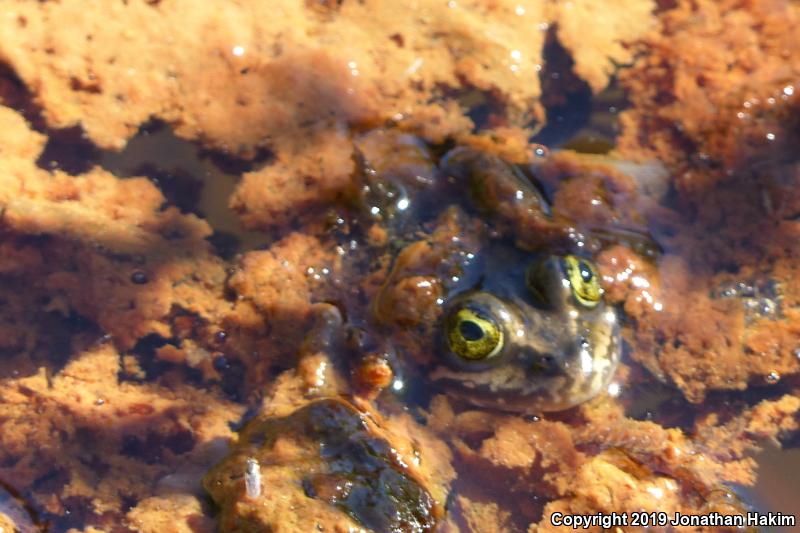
column 539, row 363
column 556, row 357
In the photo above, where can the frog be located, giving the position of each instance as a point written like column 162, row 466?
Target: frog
column 457, row 278
column 546, row 347
column 488, row 294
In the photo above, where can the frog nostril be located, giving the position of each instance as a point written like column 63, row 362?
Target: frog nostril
column 548, row 362
column 470, row 330
column 545, row 365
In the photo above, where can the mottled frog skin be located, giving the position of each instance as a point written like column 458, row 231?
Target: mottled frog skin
column 548, row 344
column 487, row 293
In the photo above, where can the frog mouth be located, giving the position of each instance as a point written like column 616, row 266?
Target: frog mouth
column 513, row 391
column 524, row 377
column 530, row 381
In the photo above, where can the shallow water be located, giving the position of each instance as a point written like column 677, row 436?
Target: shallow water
column 165, row 156
column 200, row 182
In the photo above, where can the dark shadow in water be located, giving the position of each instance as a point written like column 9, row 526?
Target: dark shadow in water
column 567, row 99
column 69, row 150
column 664, row 404
column 14, row 94
column 194, row 180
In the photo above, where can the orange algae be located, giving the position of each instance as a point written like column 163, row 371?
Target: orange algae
column 134, row 438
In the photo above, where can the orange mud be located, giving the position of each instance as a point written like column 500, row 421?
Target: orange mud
column 130, row 350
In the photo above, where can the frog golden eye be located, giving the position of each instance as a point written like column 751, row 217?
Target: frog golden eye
column 472, row 335
column 584, row 281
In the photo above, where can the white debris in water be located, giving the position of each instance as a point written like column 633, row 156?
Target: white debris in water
column 252, row 478
column 414, row 67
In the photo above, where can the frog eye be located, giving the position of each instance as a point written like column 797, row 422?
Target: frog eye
column 584, row 281
column 473, row 335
